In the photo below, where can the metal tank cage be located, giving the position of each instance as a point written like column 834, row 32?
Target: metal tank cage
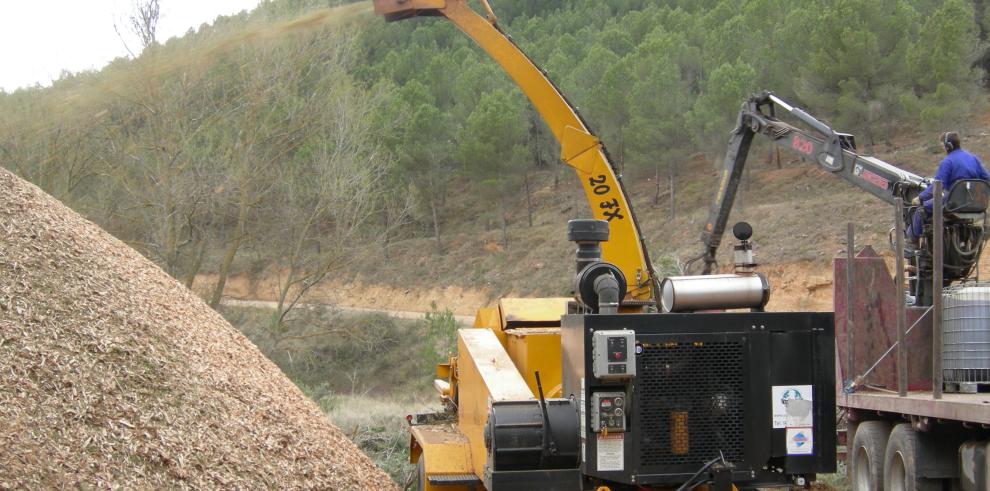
column 966, row 337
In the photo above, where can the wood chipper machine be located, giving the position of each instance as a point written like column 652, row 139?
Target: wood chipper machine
column 631, row 384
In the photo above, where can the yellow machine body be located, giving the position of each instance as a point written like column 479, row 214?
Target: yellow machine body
column 531, row 335
column 445, row 448
column 497, row 361
column 486, row 374
column 537, row 350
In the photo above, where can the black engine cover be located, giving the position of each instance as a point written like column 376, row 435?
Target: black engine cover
column 708, row 384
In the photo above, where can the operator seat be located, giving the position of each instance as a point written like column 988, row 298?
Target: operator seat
column 968, row 200
column 965, row 213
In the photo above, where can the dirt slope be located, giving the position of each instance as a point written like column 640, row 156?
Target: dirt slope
column 112, row 375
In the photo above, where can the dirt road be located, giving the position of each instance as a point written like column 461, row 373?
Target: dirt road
column 465, row 320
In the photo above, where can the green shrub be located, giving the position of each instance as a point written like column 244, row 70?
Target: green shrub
column 322, row 394
column 440, row 336
column 668, row 265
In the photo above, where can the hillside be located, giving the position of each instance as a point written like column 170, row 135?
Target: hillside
column 112, row 375
column 799, row 213
column 310, row 151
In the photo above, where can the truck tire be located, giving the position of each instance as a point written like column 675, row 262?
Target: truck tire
column 899, row 463
column 866, row 456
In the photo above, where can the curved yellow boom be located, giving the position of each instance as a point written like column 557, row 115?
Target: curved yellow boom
column 579, row 148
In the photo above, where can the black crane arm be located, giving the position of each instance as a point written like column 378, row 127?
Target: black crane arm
column 833, row 151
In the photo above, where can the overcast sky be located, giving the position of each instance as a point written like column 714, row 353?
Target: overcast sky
column 40, row 38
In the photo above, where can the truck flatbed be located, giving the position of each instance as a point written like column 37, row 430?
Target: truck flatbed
column 969, row 408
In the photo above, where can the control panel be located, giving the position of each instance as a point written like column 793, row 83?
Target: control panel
column 613, row 354
column 608, row 412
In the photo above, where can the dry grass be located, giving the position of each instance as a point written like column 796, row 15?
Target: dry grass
column 112, row 375
column 834, row 482
column 377, row 424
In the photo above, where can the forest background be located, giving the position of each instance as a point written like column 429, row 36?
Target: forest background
column 308, row 139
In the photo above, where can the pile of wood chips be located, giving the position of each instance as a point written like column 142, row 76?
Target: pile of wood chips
column 113, row 375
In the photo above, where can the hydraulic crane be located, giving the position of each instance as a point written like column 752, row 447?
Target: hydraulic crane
column 837, row 153
column 887, row 449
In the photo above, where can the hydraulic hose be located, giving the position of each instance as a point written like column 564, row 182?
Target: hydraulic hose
column 691, row 482
column 958, row 243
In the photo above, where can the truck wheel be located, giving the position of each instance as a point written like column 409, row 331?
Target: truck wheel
column 899, row 469
column 866, row 456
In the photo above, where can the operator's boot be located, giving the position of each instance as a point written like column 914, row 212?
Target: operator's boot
column 909, row 300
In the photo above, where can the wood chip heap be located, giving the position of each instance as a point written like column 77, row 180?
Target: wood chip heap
column 113, row 375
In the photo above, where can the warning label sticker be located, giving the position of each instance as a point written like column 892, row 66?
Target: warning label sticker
column 610, row 452
column 800, row 441
column 871, row 177
column 792, row 406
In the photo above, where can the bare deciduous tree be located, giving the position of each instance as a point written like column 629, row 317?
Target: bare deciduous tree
column 328, row 201
column 152, row 154
column 141, row 22
column 144, row 21
column 280, row 110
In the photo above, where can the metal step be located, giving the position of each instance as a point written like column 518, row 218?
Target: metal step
column 454, row 480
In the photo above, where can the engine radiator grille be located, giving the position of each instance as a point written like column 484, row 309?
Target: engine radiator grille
column 697, row 385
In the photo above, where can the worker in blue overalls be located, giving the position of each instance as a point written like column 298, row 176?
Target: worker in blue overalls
column 958, row 164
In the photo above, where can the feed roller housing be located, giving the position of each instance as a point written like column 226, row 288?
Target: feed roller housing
column 735, row 383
